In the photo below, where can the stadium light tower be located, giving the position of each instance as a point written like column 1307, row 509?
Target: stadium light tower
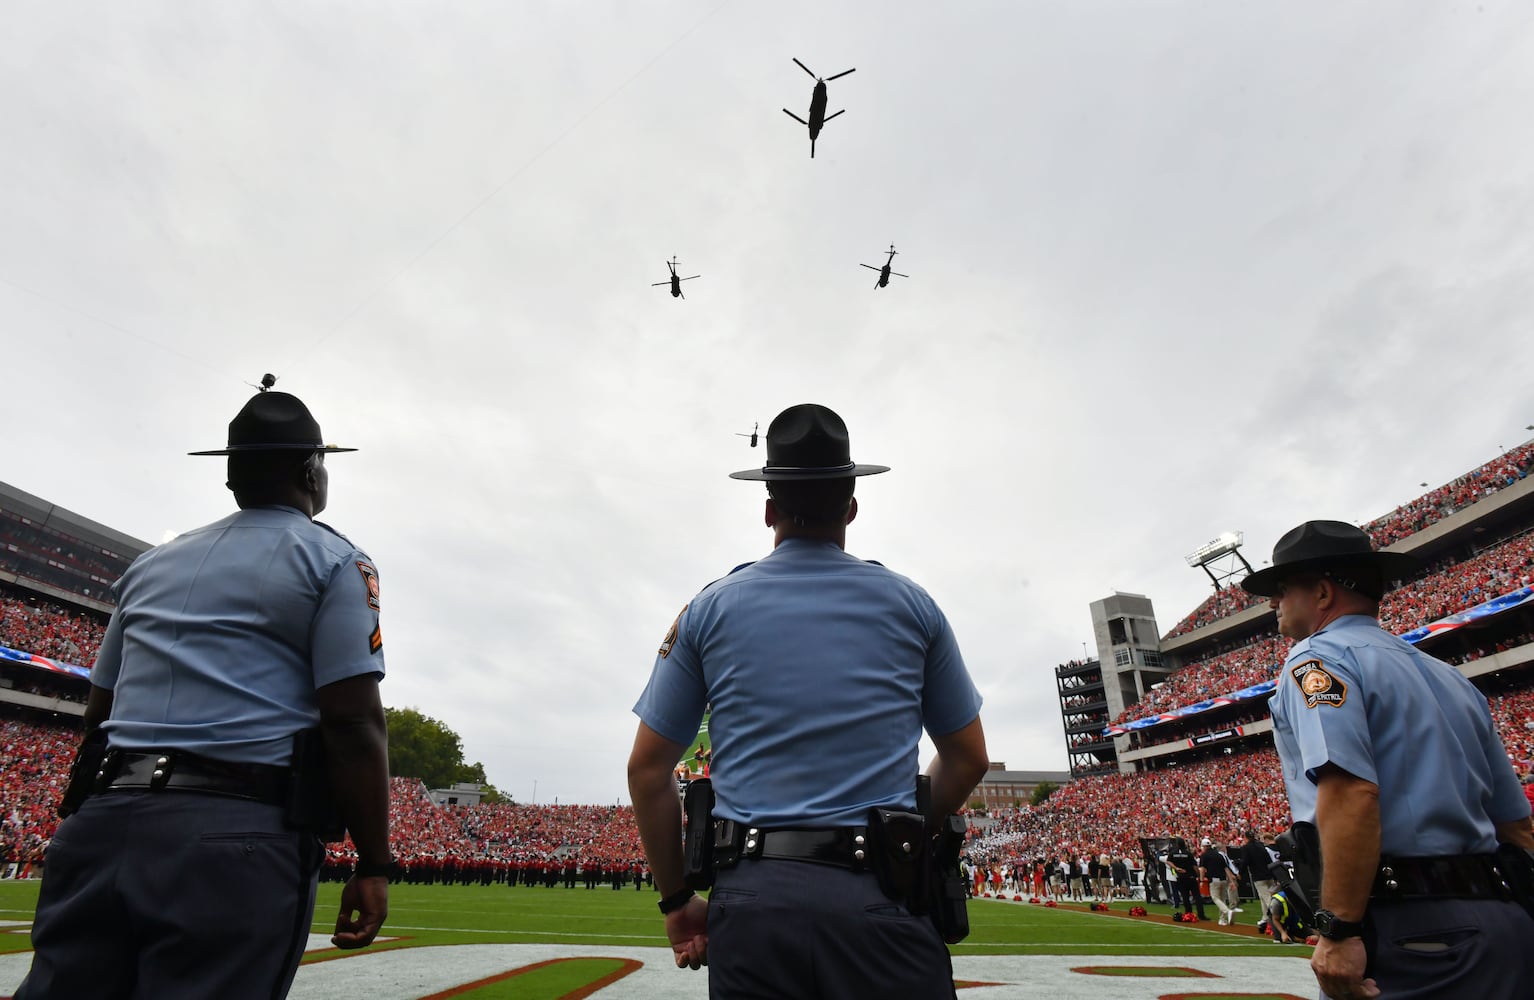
column 1224, row 555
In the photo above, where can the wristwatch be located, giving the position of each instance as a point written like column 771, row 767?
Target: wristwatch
column 676, row 901
column 1328, row 926
column 372, row 869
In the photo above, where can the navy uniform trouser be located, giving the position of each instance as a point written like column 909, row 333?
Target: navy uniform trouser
column 1450, row 949
column 172, row 894
column 795, row 929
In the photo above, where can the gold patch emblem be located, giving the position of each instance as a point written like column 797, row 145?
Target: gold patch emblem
column 671, row 633
column 1319, row 685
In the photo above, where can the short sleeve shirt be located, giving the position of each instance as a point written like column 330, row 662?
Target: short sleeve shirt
column 1367, row 702
column 821, row 670
column 222, row 636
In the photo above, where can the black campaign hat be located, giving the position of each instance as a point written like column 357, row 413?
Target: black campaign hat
column 1316, row 545
column 808, row 441
column 273, row 421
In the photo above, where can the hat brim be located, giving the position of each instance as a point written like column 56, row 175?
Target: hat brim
column 244, row 449
column 771, row 475
column 1391, row 565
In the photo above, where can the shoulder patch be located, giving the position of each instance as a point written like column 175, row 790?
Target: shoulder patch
column 670, row 640
column 1319, row 685
column 370, row 580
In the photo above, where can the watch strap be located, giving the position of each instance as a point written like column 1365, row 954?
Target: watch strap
column 675, row 901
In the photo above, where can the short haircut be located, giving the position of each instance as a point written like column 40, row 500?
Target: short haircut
column 259, row 474
column 813, row 501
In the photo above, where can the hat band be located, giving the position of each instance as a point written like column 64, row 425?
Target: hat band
column 810, row 468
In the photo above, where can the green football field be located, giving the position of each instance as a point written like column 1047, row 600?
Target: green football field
column 490, row 942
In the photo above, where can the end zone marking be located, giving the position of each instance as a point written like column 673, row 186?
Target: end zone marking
column 1168, row 971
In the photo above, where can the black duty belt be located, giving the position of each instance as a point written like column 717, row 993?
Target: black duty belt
column 840, row 847
column 180, row 771
column 1464, row 876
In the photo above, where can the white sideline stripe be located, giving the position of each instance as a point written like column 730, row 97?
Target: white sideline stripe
column 410, row 973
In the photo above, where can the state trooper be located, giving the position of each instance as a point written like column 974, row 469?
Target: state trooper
column 821, row 671
column 1391, row 754
column 187, row 865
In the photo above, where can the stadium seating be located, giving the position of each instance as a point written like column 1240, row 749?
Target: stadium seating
column 49, row 629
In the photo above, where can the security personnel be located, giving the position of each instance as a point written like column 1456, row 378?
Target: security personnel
column 821, row 671
column 180, row 875
column 1392, row 755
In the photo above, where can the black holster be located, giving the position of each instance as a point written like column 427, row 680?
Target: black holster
column 945, row 892
column 698, row 834
column 1301, row 845
column 82, row 773
column 311, row 802
column 899, row 846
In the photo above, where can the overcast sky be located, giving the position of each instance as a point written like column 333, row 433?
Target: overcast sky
column 1175, row 269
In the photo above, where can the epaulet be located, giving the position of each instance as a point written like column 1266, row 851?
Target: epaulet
column 875, row 562
column 333, row 531
column 731, row 573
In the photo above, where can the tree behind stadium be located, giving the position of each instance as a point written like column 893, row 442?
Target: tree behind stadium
column 422, row 747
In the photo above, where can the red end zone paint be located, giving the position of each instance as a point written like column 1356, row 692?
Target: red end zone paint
column 626, row 966
column 1230, row 996
column 1168, row 971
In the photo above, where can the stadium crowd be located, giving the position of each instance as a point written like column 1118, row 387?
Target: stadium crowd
column 48, row 629
column 1501, row 472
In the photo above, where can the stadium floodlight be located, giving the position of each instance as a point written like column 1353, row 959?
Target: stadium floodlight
column 1227, row 543
column 1227, row 548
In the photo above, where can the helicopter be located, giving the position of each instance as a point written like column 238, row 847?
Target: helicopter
column 753, row 435
column 885, row 272
column 675, row 282
column 267, row 381
column 818, row 117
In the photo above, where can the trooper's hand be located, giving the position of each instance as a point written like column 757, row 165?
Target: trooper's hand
column 368, row 898
column 1339, row 969
column 687, row 929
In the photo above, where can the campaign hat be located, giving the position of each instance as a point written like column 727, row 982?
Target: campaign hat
column 808, row 441
column 273, row 421
column 1316, row 546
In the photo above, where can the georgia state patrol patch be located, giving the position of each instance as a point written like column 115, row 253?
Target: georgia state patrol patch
column 1319, row 685
column 670, row 640
column 370, row 579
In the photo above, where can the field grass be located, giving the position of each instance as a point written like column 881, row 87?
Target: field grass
column 440, row 915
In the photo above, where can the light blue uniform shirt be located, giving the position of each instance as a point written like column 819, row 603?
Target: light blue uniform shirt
column 1357, row 697
column 822, row 670
column 222, row 635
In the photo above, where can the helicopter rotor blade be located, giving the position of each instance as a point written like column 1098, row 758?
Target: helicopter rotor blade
column 899, row 275
column 657, row 284
column 689, row 279
column 870, row 267
column 795, row 117
column 840, row 75
column 805, row 68
column 829, row 117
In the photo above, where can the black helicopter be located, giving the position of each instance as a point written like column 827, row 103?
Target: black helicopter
column 753, row 435
column 675, row 281
column 818, row 117
column 885, row 272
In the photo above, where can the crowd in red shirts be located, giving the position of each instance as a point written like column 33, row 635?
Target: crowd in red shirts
column 1501, row 472
column 34, row 767
column 1107, row 814
column 49, row 629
